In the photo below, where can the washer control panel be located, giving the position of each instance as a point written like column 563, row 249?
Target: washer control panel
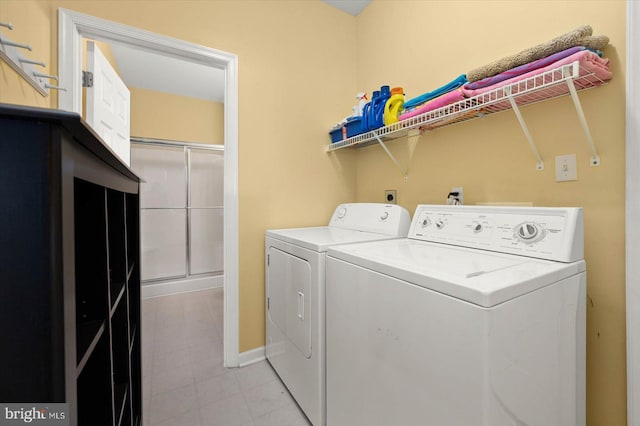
column 542, row 232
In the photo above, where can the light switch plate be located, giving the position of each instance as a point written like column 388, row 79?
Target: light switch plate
column 566, row 168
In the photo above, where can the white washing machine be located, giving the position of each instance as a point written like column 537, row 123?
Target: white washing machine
column 295, row 294
column 476, row 319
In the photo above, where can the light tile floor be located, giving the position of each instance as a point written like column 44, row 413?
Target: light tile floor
column 184, row 380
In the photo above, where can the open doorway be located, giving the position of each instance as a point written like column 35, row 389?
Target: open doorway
column 73, row 27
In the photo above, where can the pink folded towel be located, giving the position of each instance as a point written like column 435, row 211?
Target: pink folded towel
column 522, row 69
column 588, row 60
column 444, row 100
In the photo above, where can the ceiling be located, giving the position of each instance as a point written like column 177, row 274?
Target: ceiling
column 353, row 7
column 152, row 71
column 141, row 69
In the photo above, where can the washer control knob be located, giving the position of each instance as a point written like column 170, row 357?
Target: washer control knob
column 477, row 228
column 425, row 222
column 384, row 216
column 528, row 232
column 439, row 224
column 342, row 212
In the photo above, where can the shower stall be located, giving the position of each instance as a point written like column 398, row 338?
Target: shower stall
column 181, row 215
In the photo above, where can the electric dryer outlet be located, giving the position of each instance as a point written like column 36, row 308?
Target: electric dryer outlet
column 390, row 196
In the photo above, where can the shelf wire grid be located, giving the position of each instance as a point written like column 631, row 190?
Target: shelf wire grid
column 548, row 85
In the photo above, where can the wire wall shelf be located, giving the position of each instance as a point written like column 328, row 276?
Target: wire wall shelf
column 564, row 80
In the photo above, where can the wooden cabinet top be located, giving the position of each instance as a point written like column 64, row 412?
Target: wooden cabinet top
column 81, row 132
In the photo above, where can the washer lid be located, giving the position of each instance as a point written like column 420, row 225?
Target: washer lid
column 479, row 277
column 320, row 238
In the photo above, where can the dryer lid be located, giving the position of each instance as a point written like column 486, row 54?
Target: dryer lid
column 387, row 219
column 477, row 276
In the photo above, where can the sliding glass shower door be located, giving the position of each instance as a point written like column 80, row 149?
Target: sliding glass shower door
column 205, row 211
column 181, row 203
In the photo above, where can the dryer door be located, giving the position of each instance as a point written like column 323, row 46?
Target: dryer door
column 289, row 292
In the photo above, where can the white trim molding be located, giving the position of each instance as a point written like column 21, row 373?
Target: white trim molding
column 252, row 356
column 72, row 27
column 633, row 214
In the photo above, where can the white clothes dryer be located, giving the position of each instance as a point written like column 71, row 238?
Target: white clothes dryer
column 478, row 318
column 295, row 294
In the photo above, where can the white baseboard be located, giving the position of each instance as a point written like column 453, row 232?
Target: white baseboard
column 181, row 286
column 251, row 357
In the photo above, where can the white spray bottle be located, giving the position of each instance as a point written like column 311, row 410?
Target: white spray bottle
column 362, row 101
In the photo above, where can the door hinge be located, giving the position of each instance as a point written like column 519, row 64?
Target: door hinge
column 268, row 303
column 87, row 79
column 268, row 259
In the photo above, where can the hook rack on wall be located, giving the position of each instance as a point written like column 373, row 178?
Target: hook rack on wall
column 10, row 52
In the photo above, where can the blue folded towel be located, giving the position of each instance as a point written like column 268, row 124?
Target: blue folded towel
column 440, row 91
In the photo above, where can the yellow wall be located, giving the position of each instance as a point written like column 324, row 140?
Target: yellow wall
column 490, row 157
column 26, row 16
column 298, row 75
column 172, row 117
column 296, row 63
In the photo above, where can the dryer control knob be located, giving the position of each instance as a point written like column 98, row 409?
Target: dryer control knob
column 426, row 222
column 477, row 228
column 384, row 216
column 342, row 212
column 439, row 224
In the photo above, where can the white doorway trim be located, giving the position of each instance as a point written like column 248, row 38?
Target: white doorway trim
column 72, row 26
column 633, row 214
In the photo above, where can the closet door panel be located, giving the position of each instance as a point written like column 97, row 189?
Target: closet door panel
column 206, row 174
column 164, row 243
column 163, row 170
column 206, row 241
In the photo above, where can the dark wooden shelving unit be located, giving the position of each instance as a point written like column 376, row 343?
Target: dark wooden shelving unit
column 70, row 262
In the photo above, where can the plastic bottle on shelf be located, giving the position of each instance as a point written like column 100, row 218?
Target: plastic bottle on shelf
column 370, row 111
column 394, row 106
column 364, row 124
column 377, row 108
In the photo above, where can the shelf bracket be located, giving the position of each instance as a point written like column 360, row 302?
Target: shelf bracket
column 525, row 129
column 403, row 171
column 413, row 135
column 595, row 158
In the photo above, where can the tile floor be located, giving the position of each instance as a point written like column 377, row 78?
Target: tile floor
column 184, row 381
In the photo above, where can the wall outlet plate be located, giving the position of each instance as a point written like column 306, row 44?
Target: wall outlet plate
column 460, row 191
column 566, row 168
column 390, row 196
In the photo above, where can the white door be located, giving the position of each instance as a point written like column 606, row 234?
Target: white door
column 108, row 107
